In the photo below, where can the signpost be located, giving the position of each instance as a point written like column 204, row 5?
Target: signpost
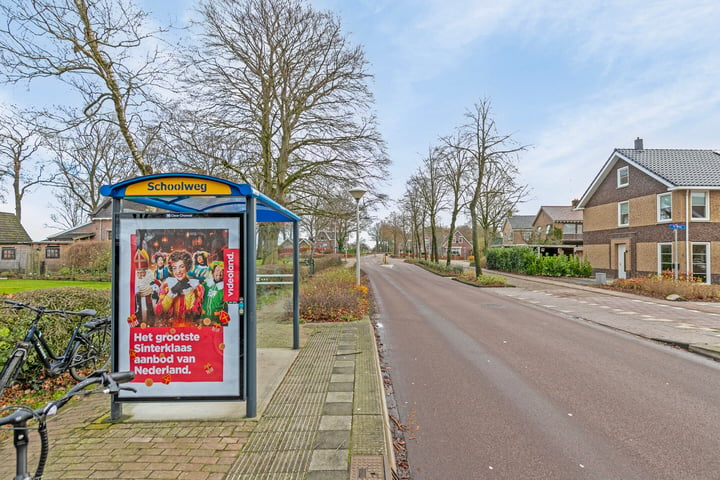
column 675, row 227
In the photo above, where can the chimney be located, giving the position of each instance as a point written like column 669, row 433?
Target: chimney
column 638, row 143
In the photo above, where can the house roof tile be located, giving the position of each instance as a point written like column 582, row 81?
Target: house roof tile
column 563, row 214
column 11, row 231
column 520, row 222
column 679, row 167
column 673, row 167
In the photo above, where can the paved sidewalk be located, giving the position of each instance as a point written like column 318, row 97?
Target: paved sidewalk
column 691, row 325
column 325, row 421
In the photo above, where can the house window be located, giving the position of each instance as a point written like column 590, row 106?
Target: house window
column 8, row 253
column 572, row 228
column 665, row 257
column 623, row 214
column 664, row 202
column 548, row 228
column 623, row 177
column 52, row 252
column 701, row 261
column 456, row 251
column 527, row 236
column 698, row 205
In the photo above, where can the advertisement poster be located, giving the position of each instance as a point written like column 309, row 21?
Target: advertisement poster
column 180, row 305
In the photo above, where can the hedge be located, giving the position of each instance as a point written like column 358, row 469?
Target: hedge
column 525, row 260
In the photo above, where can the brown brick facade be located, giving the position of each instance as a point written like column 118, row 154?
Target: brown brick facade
column 604, row 237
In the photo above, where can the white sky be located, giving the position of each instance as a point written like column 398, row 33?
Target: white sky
column 572, row 79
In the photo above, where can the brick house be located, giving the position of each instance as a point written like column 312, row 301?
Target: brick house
column 461, row 247
column 648, row 210
column 559, row 229
column 325, row 242
column 517, row 230
column 15, row 244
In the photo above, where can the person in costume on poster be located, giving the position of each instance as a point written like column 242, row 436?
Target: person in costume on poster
column 214, row 303
column 146, row 289
column 161, row 270
column 200, row 270
column 180, row 298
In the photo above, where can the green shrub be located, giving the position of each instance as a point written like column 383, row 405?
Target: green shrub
column 661, row 287
column 491, row 280
column 56, row 330
column 525, row 260
column 327, row 261
column 333, row 296
column 514, row 259
column 442, row 268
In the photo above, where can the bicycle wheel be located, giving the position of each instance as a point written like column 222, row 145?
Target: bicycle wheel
column 91, row 352
column 12, row 368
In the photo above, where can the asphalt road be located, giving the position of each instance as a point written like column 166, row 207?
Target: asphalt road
column 491, row 386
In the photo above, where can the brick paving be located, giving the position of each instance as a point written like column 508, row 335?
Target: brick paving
column 328, row 409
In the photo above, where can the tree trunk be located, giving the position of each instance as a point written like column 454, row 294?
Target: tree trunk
column 476, row 237
column 107, row 74
column 453, row 219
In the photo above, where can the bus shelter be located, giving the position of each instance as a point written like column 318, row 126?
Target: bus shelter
column 184, row 286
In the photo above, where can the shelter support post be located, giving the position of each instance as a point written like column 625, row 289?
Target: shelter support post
column 115, row 406
column 251, row 310
column 296, row 285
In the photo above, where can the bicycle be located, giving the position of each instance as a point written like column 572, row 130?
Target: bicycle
column 87, row 350
column 20, row 417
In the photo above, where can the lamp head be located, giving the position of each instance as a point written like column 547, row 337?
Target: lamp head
column 357, row 192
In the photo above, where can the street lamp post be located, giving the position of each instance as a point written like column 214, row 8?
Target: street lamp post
column 357, row 193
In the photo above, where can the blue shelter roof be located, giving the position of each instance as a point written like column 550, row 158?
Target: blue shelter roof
column 192, row 193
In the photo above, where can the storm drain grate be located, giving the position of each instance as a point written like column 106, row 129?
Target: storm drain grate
column 367, row 467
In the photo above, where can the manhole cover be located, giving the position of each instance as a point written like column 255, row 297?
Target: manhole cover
column 367, row 467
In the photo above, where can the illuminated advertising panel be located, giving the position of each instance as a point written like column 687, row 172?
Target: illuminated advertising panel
column 179, row 305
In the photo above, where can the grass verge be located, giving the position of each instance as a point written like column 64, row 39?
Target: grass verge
column 10, row 286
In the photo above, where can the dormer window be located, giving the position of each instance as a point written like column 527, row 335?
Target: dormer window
column 623, row 177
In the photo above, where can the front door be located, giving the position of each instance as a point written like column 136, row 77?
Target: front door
column 621, row 250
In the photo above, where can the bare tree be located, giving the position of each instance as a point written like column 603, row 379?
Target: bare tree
column 340, row 210
column 280, row 79
column 69, row 211
column 415, row 208
column 432, row 189
column 20, row 142
column 501, row 194
column 86, row 158
column 456, row 167
column 481, row 141
column 96, row 47
column 193, row 144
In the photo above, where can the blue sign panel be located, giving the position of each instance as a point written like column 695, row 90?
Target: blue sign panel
column 676, row 226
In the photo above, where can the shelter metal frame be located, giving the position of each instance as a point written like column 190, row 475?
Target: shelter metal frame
column 220, row 196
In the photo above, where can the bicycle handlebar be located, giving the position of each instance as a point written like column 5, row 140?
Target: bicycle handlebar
column 88, row 312
column 110, row 381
